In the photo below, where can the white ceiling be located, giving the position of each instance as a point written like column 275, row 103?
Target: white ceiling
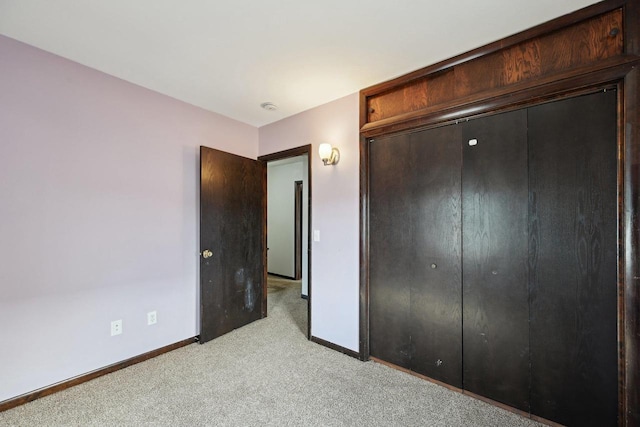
column 228, row 56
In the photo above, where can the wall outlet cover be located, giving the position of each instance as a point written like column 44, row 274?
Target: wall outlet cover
column 152, row 318
column 116, row 327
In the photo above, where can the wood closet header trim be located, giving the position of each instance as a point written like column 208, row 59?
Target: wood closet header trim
column 589, row 42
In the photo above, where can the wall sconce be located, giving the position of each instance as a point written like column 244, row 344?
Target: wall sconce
column 329, row 155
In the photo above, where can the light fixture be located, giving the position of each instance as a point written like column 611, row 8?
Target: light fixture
column 329, row 155
column 269, row 106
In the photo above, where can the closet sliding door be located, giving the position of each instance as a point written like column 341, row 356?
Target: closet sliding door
column 498, row 237
column 392, row 263
column 573, row 235
column 495, row 258
column 415, row 252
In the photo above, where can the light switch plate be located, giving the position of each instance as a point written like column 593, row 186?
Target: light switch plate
column 316, row 235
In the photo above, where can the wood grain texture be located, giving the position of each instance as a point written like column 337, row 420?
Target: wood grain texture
column 439, row 87
column 573, row 248
column 479, row 75
column 495, row 248
column 504, row 98
column 583, row 43
column 232, row 203
column 436, row 305
column 590, row 41
column 390, row 233
column 522, row 62
column 415, row 288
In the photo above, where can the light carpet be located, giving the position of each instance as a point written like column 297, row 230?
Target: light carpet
column 266, row 373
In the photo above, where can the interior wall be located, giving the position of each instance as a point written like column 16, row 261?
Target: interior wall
column 281, row 178
column 334, row 213
column 99, row 183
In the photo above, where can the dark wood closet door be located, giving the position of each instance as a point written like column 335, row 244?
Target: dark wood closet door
column 436, row 305
column 494, row 229
column 573, row 238
column 392, row 260
column 415, row 277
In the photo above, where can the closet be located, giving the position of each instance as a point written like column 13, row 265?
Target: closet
column 493, row 256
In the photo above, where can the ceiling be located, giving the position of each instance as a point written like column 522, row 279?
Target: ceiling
column 229, row 56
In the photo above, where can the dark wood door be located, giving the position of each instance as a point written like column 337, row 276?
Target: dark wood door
column 297, row 218
column 495, row 248
column 573, row 242
column 415, row 288
column 232, row 212
column 391, row 238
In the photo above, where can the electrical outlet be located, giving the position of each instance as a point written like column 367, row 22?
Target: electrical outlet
column 116, row 327
column 152, row 318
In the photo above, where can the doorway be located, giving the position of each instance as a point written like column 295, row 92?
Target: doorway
column 288, row 256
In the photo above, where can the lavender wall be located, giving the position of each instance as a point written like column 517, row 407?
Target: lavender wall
column 334, row 212
column 98, row 216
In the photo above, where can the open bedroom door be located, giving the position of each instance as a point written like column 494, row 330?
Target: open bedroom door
column 232, row 242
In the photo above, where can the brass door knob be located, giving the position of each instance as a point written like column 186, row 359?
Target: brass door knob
column 207, row 253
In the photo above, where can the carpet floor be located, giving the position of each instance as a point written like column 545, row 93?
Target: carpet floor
column 266, row 373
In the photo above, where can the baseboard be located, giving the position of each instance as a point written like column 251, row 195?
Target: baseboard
column 415, row 374
column 63, row 385
column 281, row 275
column 500, row 404
column 336, row 347
column 468, row 393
